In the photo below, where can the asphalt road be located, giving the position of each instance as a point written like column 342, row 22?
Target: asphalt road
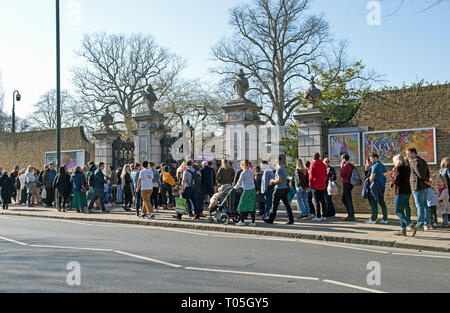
column 34, row 254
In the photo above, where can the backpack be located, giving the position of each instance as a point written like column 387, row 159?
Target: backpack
column 196, row 181
column 168, row 179
column 91, row 180
column 355, row 180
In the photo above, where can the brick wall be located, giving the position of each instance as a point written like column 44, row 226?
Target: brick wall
column 423, row 107
column 28, row 148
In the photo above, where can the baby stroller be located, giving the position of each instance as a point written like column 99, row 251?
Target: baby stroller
column 224, row 210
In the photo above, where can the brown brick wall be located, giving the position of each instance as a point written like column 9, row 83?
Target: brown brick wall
column 423, row 107
column 28, row 148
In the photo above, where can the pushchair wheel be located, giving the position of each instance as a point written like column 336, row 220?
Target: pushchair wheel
column 225, row 219
column 236, row 218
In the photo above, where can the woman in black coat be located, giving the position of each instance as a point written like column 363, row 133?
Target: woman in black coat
column 64, row 187
column 14, row 177
column 7, row 187
column 330, row 177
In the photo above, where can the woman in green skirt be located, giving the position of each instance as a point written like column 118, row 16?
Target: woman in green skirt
column 247, row 203
column 79, row 188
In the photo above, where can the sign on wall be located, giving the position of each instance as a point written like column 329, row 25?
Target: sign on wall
column 388, row 144
column 341, row 144
column 71, row 159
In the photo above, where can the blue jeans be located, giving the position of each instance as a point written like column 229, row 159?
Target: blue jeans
column 137, row 202
column 99, row 194
column 302, row 198
column 268, row 195
column 403, row 210
column 319, row 199
column 423, row 211
column 119, row 196
column 28, row 199
column 166, row 189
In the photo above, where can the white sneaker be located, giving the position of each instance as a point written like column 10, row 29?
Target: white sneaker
column 384, row 222
column 317, row 219
column 240, row 224
column 370, row 222
column 324, row 218
column 425, row 228
column 252, row 224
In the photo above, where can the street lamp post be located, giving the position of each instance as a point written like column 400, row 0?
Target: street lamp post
column 58, row 89
column 16, row 96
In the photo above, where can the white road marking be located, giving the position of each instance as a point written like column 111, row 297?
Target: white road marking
column 5, row 218
column 72, row 222
column 422, row 255
column 14, row 241
column 352, row 286
column 71, row 248
column 341, row 246
column 250, row 273
column 148, row 259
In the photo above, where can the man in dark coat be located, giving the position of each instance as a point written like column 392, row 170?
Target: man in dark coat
column 99, row 187
column 420, row 182
column 48, row 177
column 7, row 186
column 208, row 180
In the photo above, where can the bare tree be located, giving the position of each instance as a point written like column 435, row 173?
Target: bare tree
column 429, row 4
column 44, row 114
column 189, row 100
column 116, row 72
column 276, row 43
column 6, row 123
column 2, row 94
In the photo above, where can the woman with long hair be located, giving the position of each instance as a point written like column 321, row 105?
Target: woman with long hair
column 247, row 202
column 30, row 184
column 126, row 187
column 64, row 187
column 225, row 175
column 302, row 189
column 79, row 189
column 400, row 178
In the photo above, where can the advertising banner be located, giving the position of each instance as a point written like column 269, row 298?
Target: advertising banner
column 388, row 144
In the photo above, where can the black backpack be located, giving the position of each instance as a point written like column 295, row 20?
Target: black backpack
column 196, row 181
column 92, row 180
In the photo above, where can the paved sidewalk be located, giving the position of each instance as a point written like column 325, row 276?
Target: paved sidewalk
column 333, row 230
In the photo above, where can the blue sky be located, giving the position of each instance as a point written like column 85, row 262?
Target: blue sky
column 405, row 47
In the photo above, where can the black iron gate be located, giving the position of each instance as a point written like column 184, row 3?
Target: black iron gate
column 166, row 145
column 123, row 152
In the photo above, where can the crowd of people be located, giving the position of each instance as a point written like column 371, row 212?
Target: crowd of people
column 145, row 188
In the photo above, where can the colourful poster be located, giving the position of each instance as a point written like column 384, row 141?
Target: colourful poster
column 341, row 144
column 71, row 159
column 388, row 144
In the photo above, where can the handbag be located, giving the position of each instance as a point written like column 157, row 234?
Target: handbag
column 44, row 194
column 332, row 188
column 181, row 206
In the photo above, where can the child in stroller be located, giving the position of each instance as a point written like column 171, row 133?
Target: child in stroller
column 223, row 205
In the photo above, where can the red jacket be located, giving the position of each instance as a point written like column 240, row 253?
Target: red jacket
column 346, row 173
column 318, row 175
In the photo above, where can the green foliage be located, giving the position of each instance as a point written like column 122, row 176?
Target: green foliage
column 342, row 91
column 417, row 84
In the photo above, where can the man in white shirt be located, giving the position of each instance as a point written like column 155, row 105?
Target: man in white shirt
column 145, row 187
